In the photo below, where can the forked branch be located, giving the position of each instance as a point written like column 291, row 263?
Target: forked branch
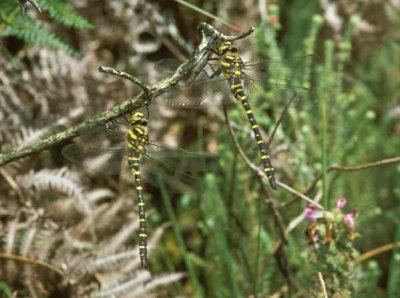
column 209, row 37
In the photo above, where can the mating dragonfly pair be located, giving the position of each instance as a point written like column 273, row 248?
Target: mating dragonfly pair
column 242, row 80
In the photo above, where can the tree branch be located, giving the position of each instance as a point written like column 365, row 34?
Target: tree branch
column 191, row 68
column 341, row 168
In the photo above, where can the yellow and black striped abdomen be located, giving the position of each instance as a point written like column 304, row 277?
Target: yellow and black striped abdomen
column 137, row 139
column 232, row 66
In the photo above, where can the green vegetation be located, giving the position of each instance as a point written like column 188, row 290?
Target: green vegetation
column 14, row 23
column 234, row 236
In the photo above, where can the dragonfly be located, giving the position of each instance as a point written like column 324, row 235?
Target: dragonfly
column 243, row 81
column 138, row 147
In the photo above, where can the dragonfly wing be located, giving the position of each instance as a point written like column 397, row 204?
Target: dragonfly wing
column 179, row 168
column 197, row 95
column 256, row 88
column 296, row 73
column 95, row 160
column 163, row 151
column 205, row 91
column 166, row 67
column 111, row 133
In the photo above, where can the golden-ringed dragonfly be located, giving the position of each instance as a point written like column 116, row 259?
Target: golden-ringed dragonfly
column 277, row 80
column 99, row 154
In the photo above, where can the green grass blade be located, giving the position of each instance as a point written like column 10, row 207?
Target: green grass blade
column 206, row 13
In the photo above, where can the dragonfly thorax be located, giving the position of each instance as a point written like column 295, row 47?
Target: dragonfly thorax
column 137, row 136
column 232, row 66
column 226, row 47
column 138, row 119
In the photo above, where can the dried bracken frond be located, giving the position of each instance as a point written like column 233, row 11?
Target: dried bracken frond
column 55, row 180
column 157, row 282
column 36, row 250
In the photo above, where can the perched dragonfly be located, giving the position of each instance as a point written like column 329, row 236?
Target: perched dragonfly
column 136, row 150
column 243, row 82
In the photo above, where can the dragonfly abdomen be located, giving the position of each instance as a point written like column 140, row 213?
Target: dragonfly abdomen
column 134, row 166
column 137, row 139
column 232, row 68
column 262, row 147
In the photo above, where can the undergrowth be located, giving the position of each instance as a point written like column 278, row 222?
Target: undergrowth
column 234, row 237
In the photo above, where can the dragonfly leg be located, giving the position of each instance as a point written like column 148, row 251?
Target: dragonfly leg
column 215, row 72
column 111, row 126
column 212, row 50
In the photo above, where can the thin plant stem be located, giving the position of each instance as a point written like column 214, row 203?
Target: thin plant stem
column 322, row 284
column 206, row 13
column 341, row 168
column 280, row 119
column 179, row 237
column 327, row 83
column 324, row 153
column 377, row 251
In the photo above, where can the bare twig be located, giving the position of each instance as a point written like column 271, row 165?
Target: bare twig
column 125, row 75
column 206, row 13
column 322, row 284
column 375, row 164
column 377, row 251
column 340, row 168
column 299, row 195
column 278, row 123
column 190, row 68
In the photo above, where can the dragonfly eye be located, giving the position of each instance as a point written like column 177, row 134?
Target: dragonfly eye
column 138, row 119
column 225, row 47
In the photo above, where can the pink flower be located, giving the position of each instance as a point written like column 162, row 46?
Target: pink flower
column 311, row 213
column 350, row 218
column 341, row 202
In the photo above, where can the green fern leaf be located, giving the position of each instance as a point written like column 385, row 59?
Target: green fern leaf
column 30, row 32
column 65, row 14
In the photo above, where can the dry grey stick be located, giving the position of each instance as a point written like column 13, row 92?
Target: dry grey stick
column 191, row 68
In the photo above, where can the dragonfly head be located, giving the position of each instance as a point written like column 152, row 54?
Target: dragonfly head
column 226, row 47
column 138, row 119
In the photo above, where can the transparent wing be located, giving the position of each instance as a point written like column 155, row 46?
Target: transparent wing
column 255, row 89
column 95, row 159
column 202, row 93
column 180, row 168
column 98, row 150
column 287, row 70
column 166, row 67
column 291, row 75
column 282, row 78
